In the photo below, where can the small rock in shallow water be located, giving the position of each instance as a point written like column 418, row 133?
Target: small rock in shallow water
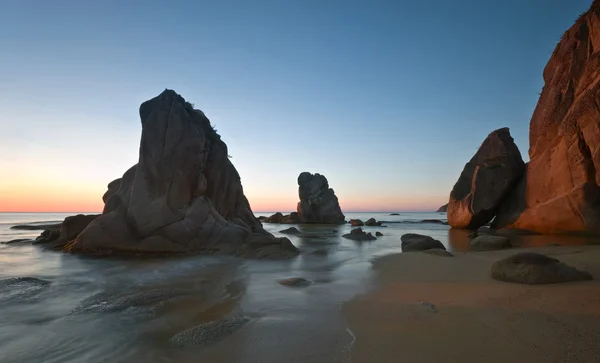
column 438, row 252
column 378, row 234
column 291, row 230
column 356, row 223
column 417, row 242
column 534, row 268
column 372, row 222
column 359, row 235
column 294, row 282
column 210, row 332
column 20, row 240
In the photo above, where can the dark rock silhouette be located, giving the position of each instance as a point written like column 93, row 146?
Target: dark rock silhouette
column 534, row 268
column 318, row 203
column 183, row 195
column 358, row 234
column 443, row 208
column 371, row 222
column 485, row 181
column 378, row 234
column 490, row 242
column 356, row 223
column 417, row 242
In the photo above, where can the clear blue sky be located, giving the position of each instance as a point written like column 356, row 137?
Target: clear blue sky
column 388, row 99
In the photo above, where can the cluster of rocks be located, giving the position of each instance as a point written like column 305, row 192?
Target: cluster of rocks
column 371, row 222
column 558, row 190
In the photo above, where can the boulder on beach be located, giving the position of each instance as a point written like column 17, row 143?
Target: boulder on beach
column 356, row 223
column 490, row 242
column 412, row 242
column 560, row 191
column 358, row 234
column 371, row 222
column 485, row 181
column 318, row 203
column 534, row 268
column 443, row 209
column 183, row 195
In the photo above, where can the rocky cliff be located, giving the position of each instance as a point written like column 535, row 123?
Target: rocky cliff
column 560, row 191
column 183, row 195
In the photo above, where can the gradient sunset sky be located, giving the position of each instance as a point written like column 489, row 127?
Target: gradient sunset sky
column 387, row 99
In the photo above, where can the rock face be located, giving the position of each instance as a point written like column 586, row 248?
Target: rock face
column 412, row 242
column 534, row 268
column 490, row 242
column 485, row 181
column 183, row 195
column 560, row 191
column 318, row 203
column 443, row 209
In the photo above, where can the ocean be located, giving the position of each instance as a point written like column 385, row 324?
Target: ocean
column 66, row 308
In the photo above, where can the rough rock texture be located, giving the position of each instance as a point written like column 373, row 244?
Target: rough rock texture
column 183, row 195
column 443, row 209
column 484, row 182
column 560, row 191
column 490, row 242
column 417, row 242
column 534, row 268
column 318, row 203
column 358, row 234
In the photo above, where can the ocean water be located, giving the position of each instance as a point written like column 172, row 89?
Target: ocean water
column 58, row 307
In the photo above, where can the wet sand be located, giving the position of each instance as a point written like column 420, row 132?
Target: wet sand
column 428, row 308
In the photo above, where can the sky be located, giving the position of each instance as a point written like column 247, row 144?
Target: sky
column 387, row 99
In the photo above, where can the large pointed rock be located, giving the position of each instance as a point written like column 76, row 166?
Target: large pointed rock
column 486, row 179
column 318, row 203
column 184, row 195
column 560, row 192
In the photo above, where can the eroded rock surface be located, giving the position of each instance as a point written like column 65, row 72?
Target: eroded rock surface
column 318, row 203
column 485, row 181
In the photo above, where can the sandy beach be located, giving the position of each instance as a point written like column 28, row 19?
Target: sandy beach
column 447, row 309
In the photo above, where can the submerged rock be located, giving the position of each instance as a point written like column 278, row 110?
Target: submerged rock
column 294, row 282
column 35, row 227
column 291, row 218
column 358, row 234
column 183, row 195
column 356, row 223
column 485, row 181
column 417, row 242
column 209, row 333
column 534, row 268
column 378, row 234
column 291, row 230
column 18, row 240
column 394, row 214
column 490, row 242
column 434, row 221
column 318, row 203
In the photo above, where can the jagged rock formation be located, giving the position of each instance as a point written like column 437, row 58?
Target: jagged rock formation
column 318, row 203
column 183, row 195
column 561, row 189
column 443, row 209
column 485, row 181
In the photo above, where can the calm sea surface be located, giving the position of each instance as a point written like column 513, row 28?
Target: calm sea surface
column 57, row 307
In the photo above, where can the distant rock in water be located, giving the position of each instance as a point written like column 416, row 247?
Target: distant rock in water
column 358, row 234
column 371, row 222
column 356, row 223
column 34, row 227
column 485, row 181
column 274, row 218
column 279, row 217
column 560, row 191
column 183, row 195
column 443, row 209
column 434, row 221
column 394, row 214
column 318, row 203
column 378, row 234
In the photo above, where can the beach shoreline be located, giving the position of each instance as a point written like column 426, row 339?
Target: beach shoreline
column 427, row 308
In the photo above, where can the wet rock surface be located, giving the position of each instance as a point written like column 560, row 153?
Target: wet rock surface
column 535, row 268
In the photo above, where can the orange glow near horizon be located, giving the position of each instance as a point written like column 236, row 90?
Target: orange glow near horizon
column 30, row 196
